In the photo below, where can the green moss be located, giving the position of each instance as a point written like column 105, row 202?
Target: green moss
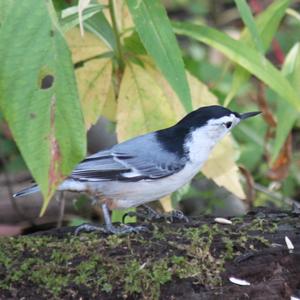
column 204, row 267
column 114, row 241
column 229, row 246
column 131, row 265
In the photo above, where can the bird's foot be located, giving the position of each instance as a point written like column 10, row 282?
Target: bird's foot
column 110, row 229
column 88, row 228
column 152, row 215
column 126, row 229
column 148, row 214
column 176, row 215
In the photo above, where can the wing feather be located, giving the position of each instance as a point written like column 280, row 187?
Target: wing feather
column 137, row 159
column 122, row 167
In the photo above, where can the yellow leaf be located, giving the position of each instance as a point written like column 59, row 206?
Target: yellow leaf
column 142, row 106
column 126, row 20
column 122, row 15
column 221, row 166
column 177, row 108
column 110, row 106
column 93, row 82
column 201, row 96
column 93, row 77
column 166, row 203
column 85, row 47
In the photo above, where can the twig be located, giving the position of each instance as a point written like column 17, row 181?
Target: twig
column 62, row 203
column 7, row 182
column 119, row 53
column 276, row 195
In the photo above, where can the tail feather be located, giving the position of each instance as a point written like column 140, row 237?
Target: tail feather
column 27, row 191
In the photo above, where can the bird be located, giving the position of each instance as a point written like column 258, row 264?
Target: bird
column 150, row 166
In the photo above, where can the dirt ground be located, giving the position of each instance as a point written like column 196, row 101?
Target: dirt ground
column 192, row 260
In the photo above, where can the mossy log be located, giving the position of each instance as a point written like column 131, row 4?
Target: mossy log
column 192, row 260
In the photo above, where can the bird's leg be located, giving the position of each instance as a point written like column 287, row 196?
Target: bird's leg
column 86, row 227
column 62, row 204
column 109, row 227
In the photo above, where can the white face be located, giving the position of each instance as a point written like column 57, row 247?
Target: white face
column 203, row 139
column 217, row 128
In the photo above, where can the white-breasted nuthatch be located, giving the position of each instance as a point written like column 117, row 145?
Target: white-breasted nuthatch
column 152, row 165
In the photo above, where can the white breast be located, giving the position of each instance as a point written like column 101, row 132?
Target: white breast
column 131, row 194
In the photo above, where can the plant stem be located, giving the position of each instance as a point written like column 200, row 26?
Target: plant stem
column 119, row 53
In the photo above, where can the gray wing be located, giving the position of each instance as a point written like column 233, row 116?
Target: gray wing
column 134, row 160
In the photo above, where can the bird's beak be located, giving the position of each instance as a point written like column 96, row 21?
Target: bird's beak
column 249, row 115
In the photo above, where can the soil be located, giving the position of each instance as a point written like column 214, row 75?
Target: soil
column 181, row 260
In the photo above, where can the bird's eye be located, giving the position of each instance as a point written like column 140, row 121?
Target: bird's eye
column 228, row 124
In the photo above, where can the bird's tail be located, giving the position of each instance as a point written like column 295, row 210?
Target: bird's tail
column 29, row 190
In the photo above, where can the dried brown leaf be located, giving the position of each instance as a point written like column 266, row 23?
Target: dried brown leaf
column 280, row 169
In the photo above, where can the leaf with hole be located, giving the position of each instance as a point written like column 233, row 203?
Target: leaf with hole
column 39, row 99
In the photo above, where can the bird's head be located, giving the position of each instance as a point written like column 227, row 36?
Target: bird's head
column 216, row 120
column 207, row 125
column 219, row 120
column 200, row 130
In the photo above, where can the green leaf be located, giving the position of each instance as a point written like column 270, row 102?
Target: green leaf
column 60, row 5
column 5, row 6
column 243, row 55
column 267, row 24
column 70, row 19
column 38, row 93
column 99, row 25
column 133, row 44
column 248, row 20
column 155, row 31
column 291, row 64
column 286, row 114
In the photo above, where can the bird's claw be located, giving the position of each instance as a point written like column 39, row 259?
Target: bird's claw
column 125, row 229
column 88, row 228
column 110, row 229
column 177, row 215
column 152, row 215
